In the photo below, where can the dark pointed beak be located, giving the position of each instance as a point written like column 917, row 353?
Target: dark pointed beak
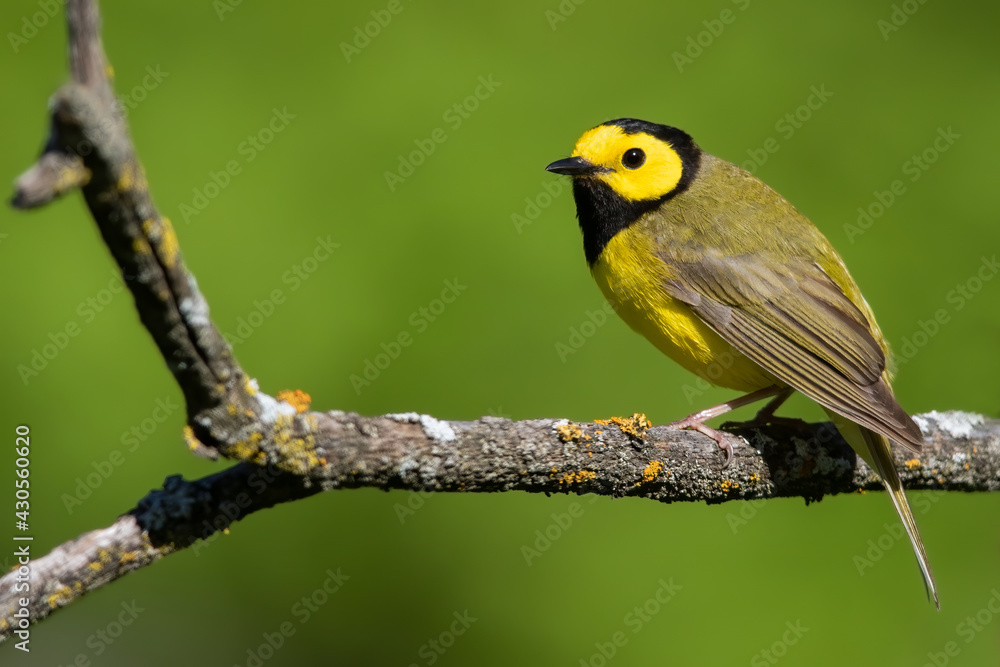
column 574, row 166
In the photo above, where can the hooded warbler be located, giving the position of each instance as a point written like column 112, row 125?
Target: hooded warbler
column 725, row 277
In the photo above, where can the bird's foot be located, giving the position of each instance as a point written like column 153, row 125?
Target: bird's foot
column 726, row 441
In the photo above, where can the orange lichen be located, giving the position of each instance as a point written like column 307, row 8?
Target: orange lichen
column 193, row 443
column 578, row 477
column 127, row 179
column 62, row 596
column 247, row 450
column 168, row 242
column 294, row 443
column 297, row 398
column 71, row 177
column 635, row 426
column 569, row 432
column 653, row 468
column 912, row 463
column 132, row 177
column 140, row 246
column 728, row 485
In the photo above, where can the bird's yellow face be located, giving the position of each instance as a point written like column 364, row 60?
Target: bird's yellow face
column 622, row 170
column 638, row 167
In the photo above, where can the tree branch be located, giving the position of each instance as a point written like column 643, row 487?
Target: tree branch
column 287, row 453
column 419, row 453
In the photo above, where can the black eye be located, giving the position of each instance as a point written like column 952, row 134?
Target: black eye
column 633, row 158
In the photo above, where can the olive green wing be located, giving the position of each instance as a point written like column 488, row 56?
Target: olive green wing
column 790, row 317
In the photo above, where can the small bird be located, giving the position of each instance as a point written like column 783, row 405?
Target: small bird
column 726, row 278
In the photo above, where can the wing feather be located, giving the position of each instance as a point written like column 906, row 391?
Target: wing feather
column 798, row 324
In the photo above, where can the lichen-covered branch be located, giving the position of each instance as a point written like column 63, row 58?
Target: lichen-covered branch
column 420, row 453
column 285, row 452
column 164, row 521
column 89, row 147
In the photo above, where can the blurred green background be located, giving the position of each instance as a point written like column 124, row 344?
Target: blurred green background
column 201, row 79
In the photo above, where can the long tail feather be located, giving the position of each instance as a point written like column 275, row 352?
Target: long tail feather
column 878, row 448
column 877, row 452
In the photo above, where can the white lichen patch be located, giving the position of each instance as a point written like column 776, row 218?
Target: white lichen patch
column 270, row 408
column 955, row 423
column 195, row 311
column 435, row 429
column 959, row 457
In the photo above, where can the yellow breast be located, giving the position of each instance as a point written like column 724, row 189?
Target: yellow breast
column 631, row 277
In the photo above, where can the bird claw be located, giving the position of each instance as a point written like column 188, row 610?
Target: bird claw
column 723, row 440
column 727, row 446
